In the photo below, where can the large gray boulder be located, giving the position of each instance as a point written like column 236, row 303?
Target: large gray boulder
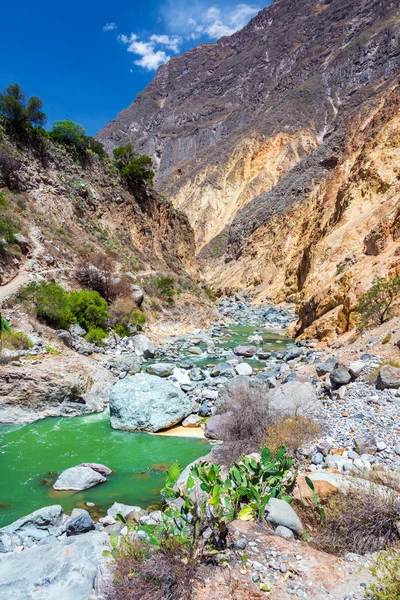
column 216, row 426
column 245, row 350
column 142, row 346
column 80, row 524
column 147, row 403
column 35, row 526
column 137, row 294
column 71, row 568
column 280, row 513
column 126, row 363
column 388, row 377
column 340, row 376
column 160, row 369
column 223, row 369
column 78, row 478
column 294, row 398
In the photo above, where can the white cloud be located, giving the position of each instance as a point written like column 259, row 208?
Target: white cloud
column 110, row 27
column 150, row 58
column 172, row 42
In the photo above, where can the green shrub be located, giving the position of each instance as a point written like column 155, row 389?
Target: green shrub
column 387, row 338
column 166, row 288
column 50, row 302
column 7, row 230
column 19, row 113
column 386, row 569
column 4, row 325
column 96, row 336
column 73, row 136
column 89, row 309
column 15, row 340
column 374, row 307
column 132, row 165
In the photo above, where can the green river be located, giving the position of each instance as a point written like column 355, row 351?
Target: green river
column 32, row 456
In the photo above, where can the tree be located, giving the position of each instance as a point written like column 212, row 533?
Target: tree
column 68, row 132
column 19, row 113
column 374, row 306
column 132, row 165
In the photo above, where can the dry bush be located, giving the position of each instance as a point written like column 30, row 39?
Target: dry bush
column 9, row 165
column 165, row 574
column 243, row 431
column 98, row 275
column 292, row 432
column 124, row 312
column 360, row 521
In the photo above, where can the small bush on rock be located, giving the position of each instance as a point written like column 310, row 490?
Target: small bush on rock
column 386, row 570
column 96, row 336
column 124, row 313
column 375, row 306
column 294, row 432
column 50, row 302
column 166, row 288
column 15, row 340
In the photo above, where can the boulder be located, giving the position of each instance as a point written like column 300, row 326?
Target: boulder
column 126, row 363
column 192, row 421
column 327, row 366
column 295, row 398
column 22, row 242
column 243, row 369
column 71, row 568
column 160, row 369
column 124, row 509
column 222, row 369
column 37, row 525
column 76, row 329
column 142, row 346
column 196, row 374
column 80, row 524
column 245, row 350
column 388, row 378
column 340, row 376
column 214, row 426
column 78, row 478
column 195, row 350
column 65, row 337
column 147, row 403
column 65, row 386
column 137, row 294
column 255, row 339
column 280, row 513
column 355, row 368
column 99, row 468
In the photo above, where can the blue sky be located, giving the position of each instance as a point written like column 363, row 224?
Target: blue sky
column 87, row 60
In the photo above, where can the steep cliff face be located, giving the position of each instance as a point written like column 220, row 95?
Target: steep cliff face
column 225, row 121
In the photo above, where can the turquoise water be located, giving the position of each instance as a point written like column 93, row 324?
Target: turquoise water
column 32, row 456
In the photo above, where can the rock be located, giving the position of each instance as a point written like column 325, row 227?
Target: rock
column 37, row 525
column 99, row 468
column 380, row 446
column 195, row 350
column 324, row 447
column 365, row 445
column 340, row 376
column 356, row 367
column 281, row 513
column 327, row 366
column 125, row 364
column 76, row 329
column 295, row 398
column 80, row 524
column 147, row 403
column 125, row 510
column 58, row 386
column 223, row 369
column 388, row 377
column 22, row 242
column 215, row 426
column 196, row 374
column 65, row 337
column 245, row 350
column 255, row 340
column 243, row 369
column 317, row 458
column 142, row 346
column 72, row 568
column 376, row 241
column 192, row 421
column 78, row 478
column 137, row 294
column 284, row 532
column 160, row 369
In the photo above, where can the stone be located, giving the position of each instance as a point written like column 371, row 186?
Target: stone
column 340, row 376
column 388, row 377
column 78, row 478
column 215, row 425
column 223, row 369
column 284, row 532
column 295, row 398
column 327, row 366
column 137, row 294
column 255, row 340
column 76, row 329
column 80, row 524
column 22, row 242
column 71, row 568
column 99, row 468
column 356, row 367
column 65, row 337
column 37, row 525
column 281, row 513
column 147, row 403
column 192, row 421
column 323, row 446
column 129, row 364
column 243, row 369
column 142, row 346
column 195, row 350
column 124, row 510
column 365, row 445
column 161, row 369
column 247, row 351
column 196, row 374
column 317, row 458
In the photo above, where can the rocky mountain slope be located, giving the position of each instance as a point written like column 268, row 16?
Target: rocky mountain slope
column 280, row 142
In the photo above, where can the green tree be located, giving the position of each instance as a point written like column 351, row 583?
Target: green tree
column 132, row 165
column 51, row 303
column 89, row 309
column 374, row 307
column 68, row 132
column 18, row 112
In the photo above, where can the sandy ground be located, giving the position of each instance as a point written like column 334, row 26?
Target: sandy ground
column 179, row 431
